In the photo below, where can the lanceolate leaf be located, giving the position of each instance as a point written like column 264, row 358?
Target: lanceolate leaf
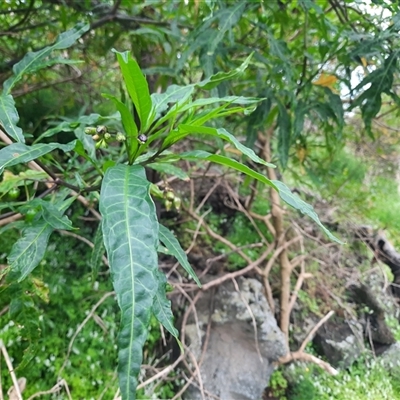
column 9, row 118
column 97, row 252
column 35, row 60
column 130, row 231
column 284, row 126
column 28, row 251
column 227, row 99
column 172, row 244
column 173, row 94
column 284, row 192
column 54, row 217
column 137, row 86
column 226, row 161
column 215, row 80
column 129, row 124
column 18, row 153
column 167, row 168
column 288, row 197
column 162, row 306
column 228, row 18
column 223, row 134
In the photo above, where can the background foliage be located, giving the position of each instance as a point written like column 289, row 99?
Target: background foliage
column 327, row 74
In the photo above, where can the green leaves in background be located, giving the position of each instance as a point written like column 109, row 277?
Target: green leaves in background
column 130, row 231
column 29, row 250
column 380, row 81
column 18, row 153
column 225, row 135
column 294, row 201
column 9, row 118
column 32, row 62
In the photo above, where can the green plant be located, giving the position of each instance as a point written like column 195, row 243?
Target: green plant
column 278, row 385
column 103, row 158
column 367, row 379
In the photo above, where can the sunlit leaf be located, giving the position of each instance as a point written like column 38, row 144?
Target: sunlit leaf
column 326, row 80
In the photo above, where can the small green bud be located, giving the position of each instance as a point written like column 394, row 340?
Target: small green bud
column 142, row 139
column 90, row 130
column 168, row 204
column 177, row 203
column 120, row 137
column 169, row 194
column 101, row 144
column 107, row 136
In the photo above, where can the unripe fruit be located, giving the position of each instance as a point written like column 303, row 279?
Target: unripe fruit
column 30, row 214
column 177, row 203
column 120, row 137
column 169, row 195
column 14, row 193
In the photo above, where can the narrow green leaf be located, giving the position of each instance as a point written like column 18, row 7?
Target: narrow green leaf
column 87, row 141
column 129, row 124
column 227, row 99
column 23, row 178
column 54, row 217
column 130, row 232
column 29, row 250
column 18, row 153
column 215, row 80
column 284, row 192
column 228, row 18
column 33, row 60
column 223, row 134
column 173, row 94
column 63, row 126
column 97, row 252
column 9, row 118
column 172, row 244
column 137, row 86
column 284, row 135
column 162, row 306
column 296, row 202
column 169, row 169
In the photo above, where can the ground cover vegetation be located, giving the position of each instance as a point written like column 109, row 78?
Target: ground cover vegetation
column 198, row 101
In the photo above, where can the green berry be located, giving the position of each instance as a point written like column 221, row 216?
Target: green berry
column 30, row 214
column 14, row 193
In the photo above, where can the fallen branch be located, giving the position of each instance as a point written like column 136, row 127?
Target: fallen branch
column 11, row 370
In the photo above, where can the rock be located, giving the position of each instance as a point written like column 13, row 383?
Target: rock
column 235, row 366
column 340, row 342
column 390, row 357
